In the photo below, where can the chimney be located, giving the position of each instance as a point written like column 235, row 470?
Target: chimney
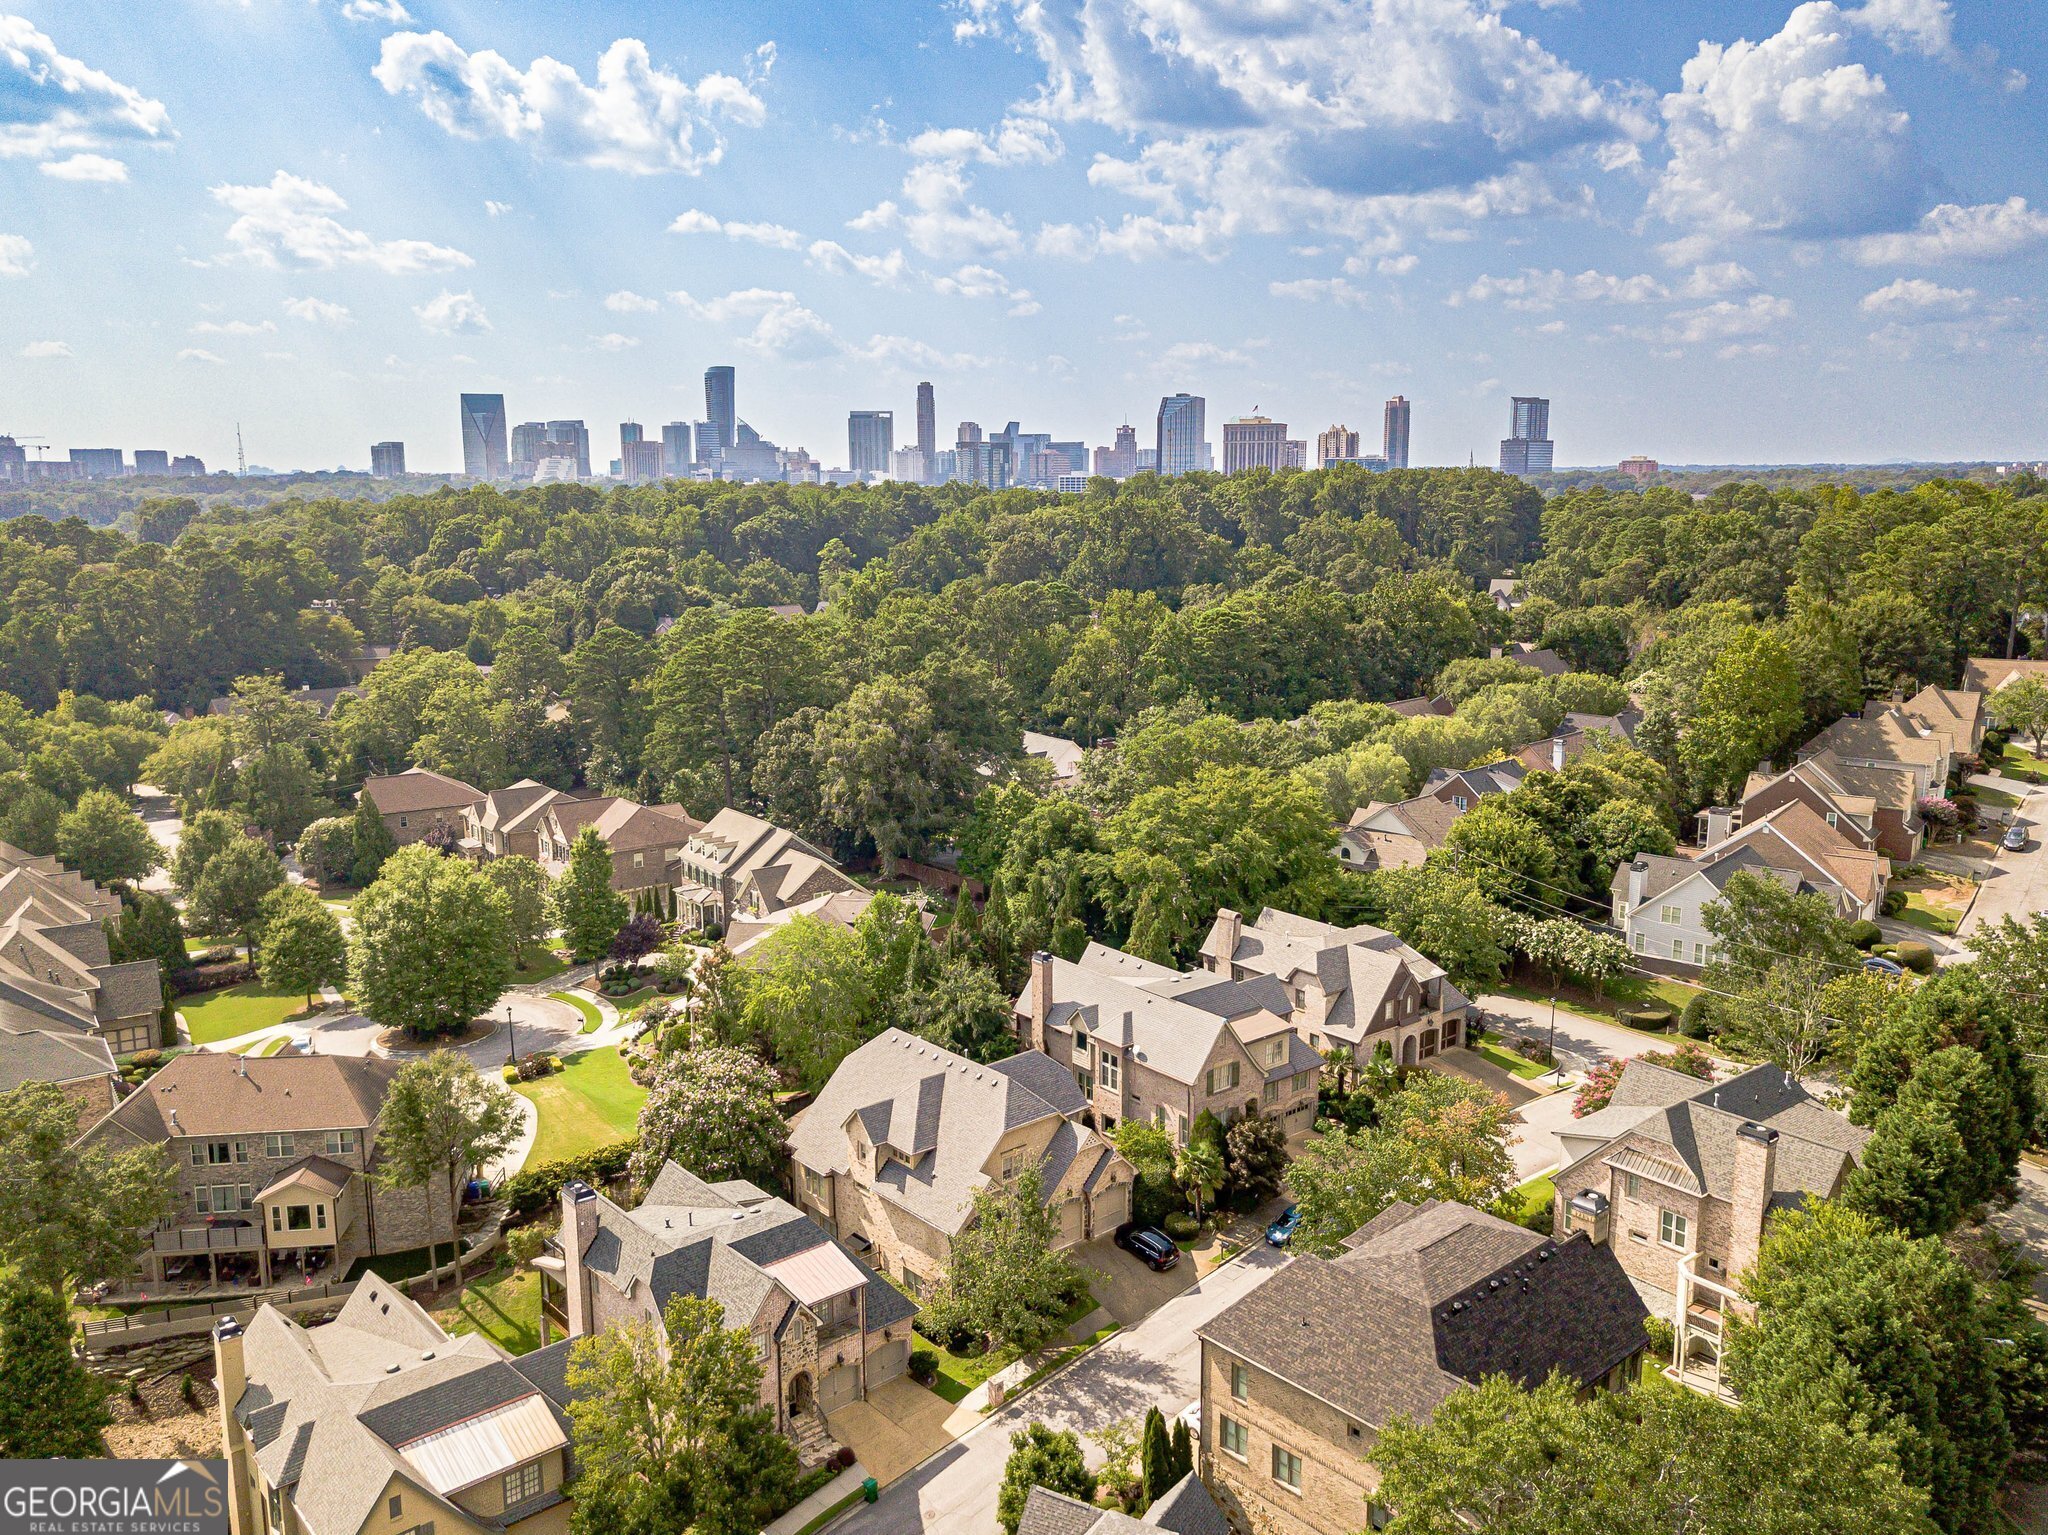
column 1557, row 751
column 231, row 1371
column 579, row 1228
column 1587, row 1212
column 1041, row 997
column 1756, row 1158
column 1229, row 928
column 1638, row 872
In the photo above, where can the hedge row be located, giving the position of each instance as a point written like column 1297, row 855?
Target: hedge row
column 535, row 1189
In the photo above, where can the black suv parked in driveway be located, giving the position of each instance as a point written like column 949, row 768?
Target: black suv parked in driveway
column 1148, row 1244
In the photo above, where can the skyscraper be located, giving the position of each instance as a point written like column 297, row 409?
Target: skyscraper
column 1180, row 434
column 1338, row 445
column 981, row 462
column 1394, row 446
column 1121, row 461
column 870, row 439
column 187, row 466
column 720, row 406
column 707, row 449
column 1249, row 442
column 570, row 439
column 152, row 461
column 13, row 460
column 675, row 450
column 629, row 433
column 1528, row 448
column 98, row 463
column 640, row 461
column 927, row 422
column 484, row 455
column 387, row 460
column 529, row 446
column 910, row 464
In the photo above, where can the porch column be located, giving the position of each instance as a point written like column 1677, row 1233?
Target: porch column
column 263, row 1263
column 212, row 1269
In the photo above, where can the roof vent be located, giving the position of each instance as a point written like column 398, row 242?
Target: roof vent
column 739, row 1215
column 429, row 1354
column 391, row 1369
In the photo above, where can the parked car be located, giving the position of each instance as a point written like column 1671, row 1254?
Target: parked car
column 1151, row 1246
column 1877, row 964
column 1281, row 1232
column 2015, row 838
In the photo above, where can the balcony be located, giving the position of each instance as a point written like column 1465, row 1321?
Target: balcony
column 1701, row 1331
column 225, row 1236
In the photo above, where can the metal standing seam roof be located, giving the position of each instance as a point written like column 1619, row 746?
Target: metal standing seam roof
column 486, row 1445
column 816, row 1274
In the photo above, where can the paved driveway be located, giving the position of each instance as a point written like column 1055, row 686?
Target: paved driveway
column 898, row 1425
column 1152, row 1364
column 1127, row 1289
column 2017, row 884
column 1582, row 1042
column 1535, row 1146
column 1471, row 1066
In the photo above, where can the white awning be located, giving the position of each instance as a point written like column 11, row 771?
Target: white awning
column 485, row 1446
column 817, row 1274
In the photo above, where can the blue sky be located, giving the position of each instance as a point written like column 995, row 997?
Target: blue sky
column 1711, row 232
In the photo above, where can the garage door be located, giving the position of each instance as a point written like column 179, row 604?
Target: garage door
column 888, row 1362
column 839, row 1387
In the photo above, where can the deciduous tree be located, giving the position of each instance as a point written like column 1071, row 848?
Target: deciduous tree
column 584, row 905
column 1040, row 1457
column 72, row 1211
column 430, row 947
column 103, row 839
column 302, row 947
column 442, row 1119
column 712, row 1111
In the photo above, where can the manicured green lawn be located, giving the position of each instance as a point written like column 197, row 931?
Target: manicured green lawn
column 217, row 1015
column 1507, row 1060
column 1920, row 914
column 201, row 945
column 2018, row 756
column 961, row 1373
column 537, row 963
column 589, row 1103
column 1620, row 992
column 1995, row 799
column 409, row 1264
column 592, row 1018
column 631, row 998
column 1538, row 1194
column 503, row 1305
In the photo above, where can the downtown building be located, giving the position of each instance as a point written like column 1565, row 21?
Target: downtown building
column 1527, row 449
column 1181, row 445
column 1394, row 441
column 387, row 460
column 870, row 439
column 1254, row 442
column 485, row 453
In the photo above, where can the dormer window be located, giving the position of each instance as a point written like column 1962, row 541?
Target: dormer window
column 1013, row 1163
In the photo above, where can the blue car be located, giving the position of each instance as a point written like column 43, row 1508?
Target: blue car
column 1281, row 1232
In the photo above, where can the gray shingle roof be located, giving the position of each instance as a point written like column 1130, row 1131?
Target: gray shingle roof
column 46, row 1055
column 1186, row 1508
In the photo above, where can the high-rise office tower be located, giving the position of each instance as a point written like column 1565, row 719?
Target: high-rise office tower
column 1394, row 445
column 570, row 439
column 1338, row 445
column 13, row 460
column 1295, row 454
column 870, row 439
column 152, row 461
column 387, row 460
column 484, row 453
column 720, row 405
column 675, row 450
column 980, row 462
column 970, row 431
column 707, row 447
column 927, row 422
column 1121, row 461
column 529, row 446
column 1528, row 448
column 1180, row 441
column 98, row 463
column 1250, row 442
column 910, row 465
column 187, row 466
column 640, row 461
column 629, row 433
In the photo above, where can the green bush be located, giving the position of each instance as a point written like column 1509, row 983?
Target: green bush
column 1894, row 902
column 1864, row 934
column 1662, row 1336
column 536, row 1188
column 924, row 1366
column 1698, row 1020
column 1181, row 1226
column 1648, row 1015
column 1917, row 957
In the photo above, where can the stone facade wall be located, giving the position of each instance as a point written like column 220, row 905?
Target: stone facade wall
column 1336, row 1480
column 1633, row 1229
column 405, row 1218
column 92, row 1097
column 410, row 826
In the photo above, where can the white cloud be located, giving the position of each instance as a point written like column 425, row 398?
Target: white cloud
column 982, row 282
column 937, row 218
column 51, row 103
column 17, row 255
column 1335, row 290
column 1186, row 354
column 612, row 341
column 1759, row 314
column 1951, row 232
column 1918, row 26
column 625, row 301
column 1539, row 290
column 696, row 221
column 43, row 349
column 496, row 210
column 782, row 326
column 317, row 311
column 906, row 352
column 1714, row 278
column 636, row 118
column 200, row 354
column 831, row 256
column 292, row 220
column 453, row 314
column 1917, row 296
column 234, row 327
column 1016, row 141
column 1790, row 136
column 389, row 12
column 84, row 167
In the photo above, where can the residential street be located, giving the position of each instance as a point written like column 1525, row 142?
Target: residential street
column 1581, row 1041
column 2018, row 883
column 1153, row 1363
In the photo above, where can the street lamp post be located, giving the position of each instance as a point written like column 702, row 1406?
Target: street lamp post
column 1556, row 1065
column 511, row 1037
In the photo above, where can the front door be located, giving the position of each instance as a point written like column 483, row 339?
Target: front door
column 800, row 1393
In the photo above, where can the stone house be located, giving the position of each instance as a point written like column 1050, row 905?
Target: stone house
column 890, row 1156
column 507, row 822
column 738, row 865
column 1146, row 1042
column 56, row 971
column 1185, row 1508
column 1353, row 988
column 80, row 1066
column 827, row 1327
column 1675, row 1170
column 414, row 802
column 645, row 840
column 1384, row 836
column 274, row 1156
column 1874, row 808
column 1462, row 788
column 1299, row 1377
column 381, row 1423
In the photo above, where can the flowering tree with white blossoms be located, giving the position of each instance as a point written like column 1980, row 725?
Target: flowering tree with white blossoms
column 712, row 1111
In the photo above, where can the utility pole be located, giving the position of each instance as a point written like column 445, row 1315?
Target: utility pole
column 241, row 458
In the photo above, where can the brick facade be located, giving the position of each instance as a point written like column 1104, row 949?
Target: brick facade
column 1336, row 1481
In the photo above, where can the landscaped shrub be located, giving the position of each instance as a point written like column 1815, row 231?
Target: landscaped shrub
column 1917, row 957
column 535, row 1188
column 1894, row 902
column 924, row 1366
column 1181, row 1226
column 1863, row 934
column 1538, row 1218
column 1535, row 1050
column 1698, row 1020
column 1662, row 1336
column 1648, row 1015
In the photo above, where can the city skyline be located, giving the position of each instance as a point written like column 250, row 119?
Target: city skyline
column 1056, row 217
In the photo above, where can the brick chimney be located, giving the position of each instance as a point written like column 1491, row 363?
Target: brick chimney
column 1756, row 1161
column 1229, row 928
column 1041, row 998
column 231, row 1372
column 579, row 1228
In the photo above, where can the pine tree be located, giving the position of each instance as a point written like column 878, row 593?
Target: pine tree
column 587, row 909
column 997, row 937
column 1183, row 1451
column 1155, row 1456
column 50, row 1404
column 373, row 841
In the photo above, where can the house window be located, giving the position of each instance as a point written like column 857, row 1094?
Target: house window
column 1222, row 1079
column 277, row 1217
column 396, row 1508
column 1240, row 1383
column 1109, row 1071
column 218, row 1153
column 1271, row 1095
column 1276, row 1051
column 639, row 860
column 522, row 1484
column 1637, row 939
column 1230, row 1436
column 1378, row 1516
column 1287, row 1469
column 1013, row 1163
column 298, row 1218
column 1678, row 948
column 1672, row 1228
column 276, row 1509
column 1668, row 915
column 1631, row 1186
column 277, row 1145
column 340, row 1142
column 816, row 1184
column 320, row 1217
column 1833, row 818
column 1699, row 953
column 1460, row 803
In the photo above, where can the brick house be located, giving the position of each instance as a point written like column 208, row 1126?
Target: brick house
column 645, row 840
column 80, row 1066
column 56, row 971
column 414, row 802
column 1346, row 987
column 1676, row 1169
column 381, row 1423
column 1299, row 1377
column 273, row 1157
column 1462, row 788
column 507, row 821
column 1146, row 1042
column 1875, row 808
column 890, row 1156
column 738, row 865
column 827, row 1327
column 1576, row 735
